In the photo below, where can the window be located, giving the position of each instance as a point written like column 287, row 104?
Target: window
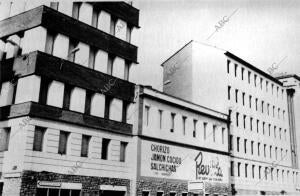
column 256, row 104
column 246, row 170
column 235, row 70
column 272, row 88
column 273, row 111
column 236, row 95
column 232, row 168
column 283, row 115
column 38, row 138
column 263, row 126
column 276, row 153
column 160, row 112
column 257, row 125
column 285, row 134
column 123, row 146
column 245, row 146
column 172, row 122
column 270, row 151
column 105, row 148
column 223, row 135
column 230, row 142
column 265, row 150
column 4, row 138
column 145, row 193
column 159, row 193
column 267, row 84
column 172, row 194
column 243, row 97
column 250, row 100
column 277, row 91
column 274, row 131
column 268, row 108
column 249, row 76
column 262, row 106
column 259, row 172
column 63, row 140
column 237, row 119
column 261, row 83
column 183, row 124
column 251, row 123
column 252, row 143
column 214, row 133
column 184, row 194
column 255, row 79
column 258, row 148
column 266, row 173
column 242, row 74
column 147, row 109
column 228, row 66
column 238, row 144
column 244, row 121
column 282, row 93
column 280, row 133
column 253, row 170
column 85, row 145
column 277, row 174
column 204, row 130
column 278, row 113
column 239, row 167
column 229, row 89
column 269, row 129
column 195, row 128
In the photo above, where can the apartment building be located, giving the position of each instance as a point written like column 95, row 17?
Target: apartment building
column 261, row 138
column 65, row 91
column 182, row 147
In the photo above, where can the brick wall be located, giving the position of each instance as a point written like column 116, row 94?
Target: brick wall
column 89, row 184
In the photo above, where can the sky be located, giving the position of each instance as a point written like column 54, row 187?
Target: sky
column 263, row 33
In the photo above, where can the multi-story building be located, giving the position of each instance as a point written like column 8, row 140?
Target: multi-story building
column 65, row 92
column 261, row 139
column 182, row 147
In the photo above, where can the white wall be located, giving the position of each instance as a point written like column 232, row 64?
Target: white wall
column 104, row 21
column 115, row 109
column 82, row 55
column 85, row 13
column 98, row 105
column 6, row 94
column 28, row 89
column 55, row 94
column 61, row 46
column 118, row 67
column 30, row 42
column 77, row 99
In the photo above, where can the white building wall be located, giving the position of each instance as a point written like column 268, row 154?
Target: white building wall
column 61, row 46
column 77, row 99
column 101, row 60
column 29, row 41
column 28, row 89
column 6, row 93
column 115, row 109
column 104, row 21
column 98, row 105
column 55, row 94
column 93, row 165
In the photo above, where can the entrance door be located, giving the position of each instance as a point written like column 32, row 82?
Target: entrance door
column 113, row 193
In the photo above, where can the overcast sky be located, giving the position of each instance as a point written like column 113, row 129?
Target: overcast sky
column 260, row 32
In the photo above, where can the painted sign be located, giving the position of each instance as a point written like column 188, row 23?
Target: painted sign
column 174, row 162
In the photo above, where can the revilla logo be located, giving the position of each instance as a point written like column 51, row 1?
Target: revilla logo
column 210, row 170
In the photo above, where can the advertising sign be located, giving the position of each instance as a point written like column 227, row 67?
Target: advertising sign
column 169, row 161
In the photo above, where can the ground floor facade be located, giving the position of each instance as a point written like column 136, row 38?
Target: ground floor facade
column 55, row 184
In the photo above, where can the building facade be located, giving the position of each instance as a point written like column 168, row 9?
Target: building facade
column 261, row 139
column 182, row 147
column 64, row 95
